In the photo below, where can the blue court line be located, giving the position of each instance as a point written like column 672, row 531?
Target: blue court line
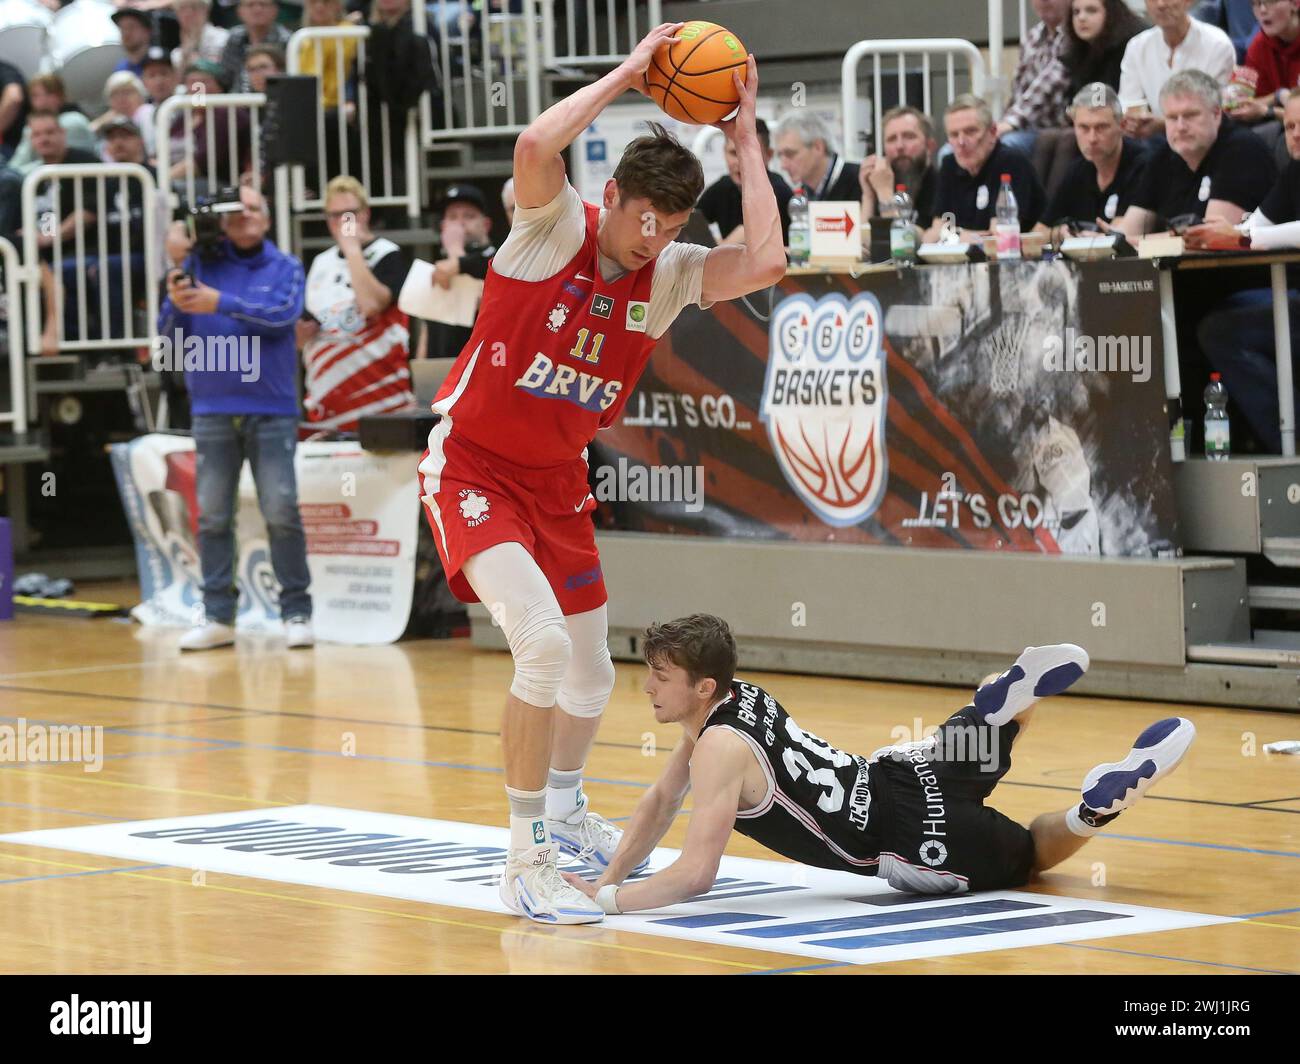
column 1270, row 912
column 1181, row 960
column 93, row 872
column 69, row 812
column 1201, row 845
column 711, row 919
column 804, row 968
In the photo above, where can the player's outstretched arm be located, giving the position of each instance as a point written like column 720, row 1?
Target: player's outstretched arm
column 718, row 766
column 539, row 168
column 734, row 270
column 653, row 816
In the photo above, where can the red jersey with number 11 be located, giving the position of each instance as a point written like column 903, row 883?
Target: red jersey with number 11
column 549, row 362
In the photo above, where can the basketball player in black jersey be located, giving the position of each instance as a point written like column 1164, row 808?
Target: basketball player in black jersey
column 912, row 814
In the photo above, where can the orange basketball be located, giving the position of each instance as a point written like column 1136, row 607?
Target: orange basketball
column 691, row 80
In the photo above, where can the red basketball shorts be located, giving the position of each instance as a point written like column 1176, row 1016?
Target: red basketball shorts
column 474, row 501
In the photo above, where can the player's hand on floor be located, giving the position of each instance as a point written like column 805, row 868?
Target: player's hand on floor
column 586, row 886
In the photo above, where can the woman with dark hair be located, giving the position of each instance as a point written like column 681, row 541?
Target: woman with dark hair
column 1098, row 32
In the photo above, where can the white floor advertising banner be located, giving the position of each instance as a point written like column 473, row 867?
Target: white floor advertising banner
column 360, row 512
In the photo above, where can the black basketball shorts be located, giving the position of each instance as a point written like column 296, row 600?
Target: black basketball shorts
column 937, row 835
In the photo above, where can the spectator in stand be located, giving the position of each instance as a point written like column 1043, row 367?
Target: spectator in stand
column 806, row 148
column 322, row 59
column 1234, row 17
column 200, row 39
column 13, row 110
column 1210, row 170
column 1099, row 187
column 1237, row 336
column 250, row 293
column 262, row 61
column 48, row 146
column 720, row 202
column 1098, row 33
column 47, row 93
column 160, row 78
column 465, row 233
column 1175, row 42
column 125, row 94
column 354, row 340
column 908, row 160
column 258, row 26
column 1040, row 84
column 508, row 200
column 210, row 79
column 136, row 28
column 970, row 178
column 399, row 69
column 1274, row 56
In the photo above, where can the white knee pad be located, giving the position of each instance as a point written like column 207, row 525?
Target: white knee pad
column 590, row 679
column 542, row 651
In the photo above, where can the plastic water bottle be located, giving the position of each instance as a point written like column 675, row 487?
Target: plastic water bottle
column 1008, row 224
column 800, row 237
column 1218, row 441
column 902, row 232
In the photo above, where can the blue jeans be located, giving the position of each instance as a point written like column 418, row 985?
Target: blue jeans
column 1237, row 339
column 1023, row 140
column 222, row 442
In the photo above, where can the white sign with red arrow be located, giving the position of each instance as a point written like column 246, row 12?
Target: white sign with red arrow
column 835, row 231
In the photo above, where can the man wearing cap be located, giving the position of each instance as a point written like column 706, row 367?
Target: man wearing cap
column 258, row 26
column 136, row 28
column 160, row 77
column 465, row 234
column 354, row 339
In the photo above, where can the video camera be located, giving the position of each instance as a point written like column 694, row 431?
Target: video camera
column 204, row 219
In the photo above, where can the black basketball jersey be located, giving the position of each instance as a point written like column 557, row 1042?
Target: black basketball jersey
column 817, row 807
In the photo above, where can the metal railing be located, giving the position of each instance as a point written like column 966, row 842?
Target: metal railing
column 600, row 28
column 479, row 97
column 998, row 81
column 16, row 416
column 947, row 49
column 223, row 160
column 99, row 258
column 355, row 157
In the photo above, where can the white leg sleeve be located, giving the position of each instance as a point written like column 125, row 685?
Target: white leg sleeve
column 515, row 591
column 590, row 679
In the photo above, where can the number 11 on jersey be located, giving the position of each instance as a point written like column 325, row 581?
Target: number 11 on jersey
column 597, row 339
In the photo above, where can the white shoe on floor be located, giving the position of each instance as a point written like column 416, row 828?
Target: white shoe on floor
column 532, row 886
column 589, row 838
column 208, row 635
column 1110, row 789
column 298, row 632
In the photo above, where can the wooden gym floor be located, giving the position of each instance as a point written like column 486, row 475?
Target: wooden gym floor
column 261, row 727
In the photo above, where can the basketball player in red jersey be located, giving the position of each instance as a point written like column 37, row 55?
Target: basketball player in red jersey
column 573, row 303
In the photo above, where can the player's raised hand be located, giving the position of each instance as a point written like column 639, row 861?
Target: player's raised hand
column 742, row 125
column 636, row 64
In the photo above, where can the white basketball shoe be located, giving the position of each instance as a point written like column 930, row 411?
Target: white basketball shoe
column 590, row 838
column 532, row 886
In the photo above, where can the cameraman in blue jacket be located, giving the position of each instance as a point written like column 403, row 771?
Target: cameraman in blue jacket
column 229, row 319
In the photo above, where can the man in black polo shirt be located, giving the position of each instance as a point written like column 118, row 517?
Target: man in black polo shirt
column 1099, row 188
column 908, row 160
column 1237, row 336
column 721, row 200
column 971, row 177
column 806, row 148
column 1211, row 170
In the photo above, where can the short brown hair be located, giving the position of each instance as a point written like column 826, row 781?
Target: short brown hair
column 701, row 644
column 659, row 168
column 271, row 51
column 922, row 119
column 50, row 83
